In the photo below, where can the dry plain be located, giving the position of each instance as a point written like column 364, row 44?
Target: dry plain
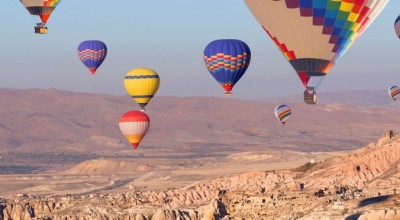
column 52, row 150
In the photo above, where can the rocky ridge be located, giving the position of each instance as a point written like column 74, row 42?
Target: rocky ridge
column 361, row 185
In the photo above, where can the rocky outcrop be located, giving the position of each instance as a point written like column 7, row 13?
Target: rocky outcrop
column 374, row 165
column 361, row 185
column 388, row 214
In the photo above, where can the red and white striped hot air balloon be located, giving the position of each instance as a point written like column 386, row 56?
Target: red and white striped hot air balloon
column 134, row 125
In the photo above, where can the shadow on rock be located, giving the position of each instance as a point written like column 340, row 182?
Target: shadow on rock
column 353, row 216
column 373, row 200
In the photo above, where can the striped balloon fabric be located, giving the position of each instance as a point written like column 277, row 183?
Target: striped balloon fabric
column 394, row 92
column 227, row 61
column 397, row 26
column 142, row 84
column 283, row 113
column 92, row 53
column 42, row 8
column 314, row 34
column 134, row 126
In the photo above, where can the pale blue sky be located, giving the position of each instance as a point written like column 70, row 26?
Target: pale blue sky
column 170, row 36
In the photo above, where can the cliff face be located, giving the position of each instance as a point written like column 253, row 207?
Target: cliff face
column 361, row 185
column 376, row 165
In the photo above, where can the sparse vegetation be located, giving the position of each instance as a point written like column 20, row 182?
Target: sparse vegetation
column 5, row 170
column 306, row 167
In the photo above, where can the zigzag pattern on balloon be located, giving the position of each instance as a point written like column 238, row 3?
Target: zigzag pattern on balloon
column 226, row 61
column 343, row 20
column 314, row 34
column 52, row 3
column 143, row 77
column 91, row 54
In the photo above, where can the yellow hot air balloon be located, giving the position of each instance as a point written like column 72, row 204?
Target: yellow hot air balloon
column 142, row 84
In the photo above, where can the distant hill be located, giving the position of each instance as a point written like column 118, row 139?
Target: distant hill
column 51, row 120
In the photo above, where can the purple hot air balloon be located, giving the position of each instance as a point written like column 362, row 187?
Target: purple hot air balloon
column 92, row 53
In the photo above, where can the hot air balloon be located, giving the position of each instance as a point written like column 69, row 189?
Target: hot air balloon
column 283, row 113
column 142, row 84
column 134, row 126
column 41, row 10
column 227, row 61
column 92, row 54
column 394, row 92
column 314, row 34
column 397, row 26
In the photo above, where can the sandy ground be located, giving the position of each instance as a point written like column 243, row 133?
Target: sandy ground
column 166, row 174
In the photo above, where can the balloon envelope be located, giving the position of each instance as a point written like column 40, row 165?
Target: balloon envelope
column 134, row 126
column 92, row 53
column 314, row 34
column 283, row 113
column 397, row 26
column 394, row 92
column 41, row 8
column 227, row 61
column 142, row 84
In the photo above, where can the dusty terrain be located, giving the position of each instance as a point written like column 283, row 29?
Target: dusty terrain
column 357, row 185
column 110, row 175
column 203, row 158
column 43, row 130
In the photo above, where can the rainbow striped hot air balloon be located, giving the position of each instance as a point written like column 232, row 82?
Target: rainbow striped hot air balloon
column 142, row 84
column 394, row 92
column 314, row 34
column 134, row 126
column 283, row 113
column 40, row 9
column 227, row 61
column 92, row 53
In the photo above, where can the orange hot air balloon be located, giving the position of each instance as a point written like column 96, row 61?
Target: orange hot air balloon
column 134, row 125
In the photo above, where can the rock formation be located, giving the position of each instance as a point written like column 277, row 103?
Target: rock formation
column 360, row 185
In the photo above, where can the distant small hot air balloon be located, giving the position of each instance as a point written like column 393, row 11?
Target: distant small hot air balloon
column 41, row 10
column 394, row 92
column 227, row 61
column 134, row 126
column 283, row 113
column 92, row 53
column 397, row 26
column 142, row 84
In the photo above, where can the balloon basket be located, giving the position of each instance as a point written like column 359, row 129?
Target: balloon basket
column 40, row 30
column 228, row 94
column 311, row 99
